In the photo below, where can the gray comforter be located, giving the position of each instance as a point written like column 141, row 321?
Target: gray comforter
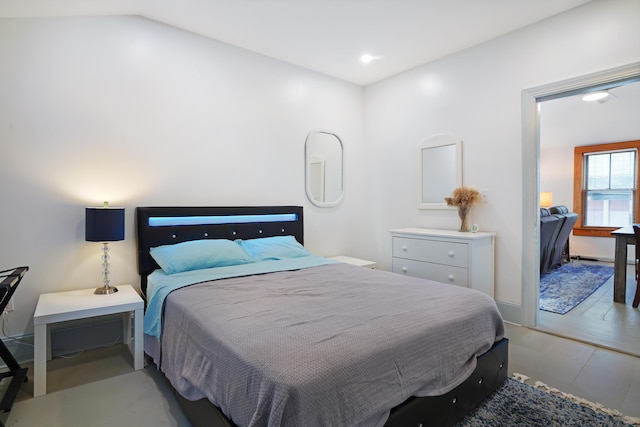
column 334, row 345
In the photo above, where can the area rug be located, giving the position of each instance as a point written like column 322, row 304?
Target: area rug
column 515, row 403
column 565, row 287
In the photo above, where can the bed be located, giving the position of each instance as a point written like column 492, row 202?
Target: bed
column 284, row 337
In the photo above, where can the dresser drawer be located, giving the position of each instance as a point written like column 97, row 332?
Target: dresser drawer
column 428, row 270
column 434, row 251
column 446, row 256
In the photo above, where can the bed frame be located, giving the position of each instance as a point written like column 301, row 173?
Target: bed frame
column 156, row 226
column 169, row 225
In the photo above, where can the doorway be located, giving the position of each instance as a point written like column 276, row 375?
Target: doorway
column 531, row 102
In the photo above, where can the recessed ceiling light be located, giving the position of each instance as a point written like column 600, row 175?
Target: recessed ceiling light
column 595, row 96
column 367, row 58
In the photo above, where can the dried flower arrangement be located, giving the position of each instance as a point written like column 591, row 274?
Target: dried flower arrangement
column 463, row 198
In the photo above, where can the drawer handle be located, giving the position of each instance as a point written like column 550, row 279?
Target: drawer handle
column 404, row 248
column 404, row 269
column 451, row 254
column 451, row 277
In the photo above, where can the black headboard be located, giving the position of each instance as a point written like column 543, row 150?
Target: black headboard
column 156, row 226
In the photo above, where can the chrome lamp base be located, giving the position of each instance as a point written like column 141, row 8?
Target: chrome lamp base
column 105, row 290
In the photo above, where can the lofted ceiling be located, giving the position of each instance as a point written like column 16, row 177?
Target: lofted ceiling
column 327, row 36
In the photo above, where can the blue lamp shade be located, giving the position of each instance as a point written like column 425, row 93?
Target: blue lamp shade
column 104, row 224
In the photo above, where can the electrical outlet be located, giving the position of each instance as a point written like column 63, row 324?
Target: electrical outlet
column 483, row 194
column 9, row 308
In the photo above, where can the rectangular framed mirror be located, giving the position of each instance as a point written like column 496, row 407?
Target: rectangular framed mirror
column 440, row 170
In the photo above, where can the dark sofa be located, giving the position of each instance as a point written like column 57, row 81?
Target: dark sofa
column 556, row 224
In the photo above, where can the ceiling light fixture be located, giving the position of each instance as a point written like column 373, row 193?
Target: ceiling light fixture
column 596, row 96
column 367, row 58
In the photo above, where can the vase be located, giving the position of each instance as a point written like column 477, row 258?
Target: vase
column 463, row 211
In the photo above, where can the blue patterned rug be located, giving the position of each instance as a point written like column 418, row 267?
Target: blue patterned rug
column 518, row 404
column 567, row 286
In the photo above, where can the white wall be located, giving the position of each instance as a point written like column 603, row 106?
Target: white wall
column 568, row 122
column 476, row 95
column 139, row 113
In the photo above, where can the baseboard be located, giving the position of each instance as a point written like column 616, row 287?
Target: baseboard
column 20, row 346
column 70, row 337
column 511, row 313
column 597, row 259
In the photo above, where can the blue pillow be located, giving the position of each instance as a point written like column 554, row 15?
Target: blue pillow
column 199, row 254
column 270, row 248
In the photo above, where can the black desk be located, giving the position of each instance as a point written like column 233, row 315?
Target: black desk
column 624, row 236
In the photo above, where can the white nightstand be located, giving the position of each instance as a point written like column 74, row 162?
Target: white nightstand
column 62, row 306
column 354, row 261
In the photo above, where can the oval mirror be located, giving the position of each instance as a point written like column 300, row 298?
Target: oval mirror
column 324, row 168
column 440, row 170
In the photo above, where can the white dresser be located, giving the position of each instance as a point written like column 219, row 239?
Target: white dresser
column 447, row 256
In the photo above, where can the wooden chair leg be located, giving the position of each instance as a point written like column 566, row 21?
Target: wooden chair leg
column 636, row 299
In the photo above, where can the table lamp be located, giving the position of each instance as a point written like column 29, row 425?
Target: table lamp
column 546, row 199
column 104, row 224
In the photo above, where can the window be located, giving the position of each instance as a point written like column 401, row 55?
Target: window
column 605, row 187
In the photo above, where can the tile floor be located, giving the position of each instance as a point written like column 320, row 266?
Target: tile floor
column 600, row 321
column 594, row 373
column 99, row 387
